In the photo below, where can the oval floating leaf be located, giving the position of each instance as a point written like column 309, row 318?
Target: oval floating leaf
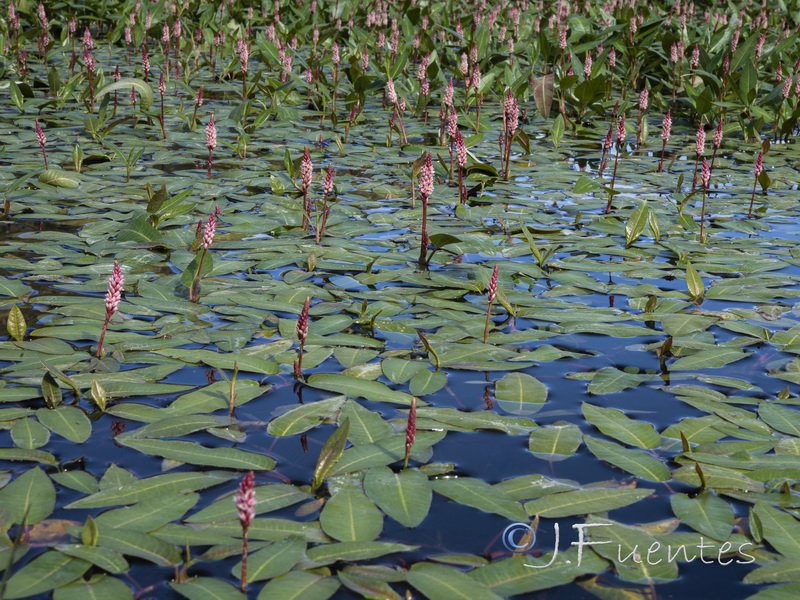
column 59, row 178
column 635, row 462
column 706, row 513
column 479, row 494
column 520, row 394
column 349, row 516
column 44, row 573
column 300, row 585
column 305, row 417
column 28, row 434
column 438, row 582
column 555, row 441
column 31, row 497
column 616, row 424
column 207, row 588
column 67, row 421
column 405, row 496
column 276, row 559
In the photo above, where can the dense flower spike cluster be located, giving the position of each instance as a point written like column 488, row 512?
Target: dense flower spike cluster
column 114, row 292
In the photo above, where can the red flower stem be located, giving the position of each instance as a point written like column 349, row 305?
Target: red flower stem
column 423, row 247
column 103, row 335
column 703, row 218
column 163, row 131
column 486, row 326
column 194, row 295
column 244, row 559
column 752, row 199
column 613, row 179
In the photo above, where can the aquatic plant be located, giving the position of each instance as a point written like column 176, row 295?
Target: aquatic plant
column 113, row 298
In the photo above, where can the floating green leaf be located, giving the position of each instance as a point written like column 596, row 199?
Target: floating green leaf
column 707, row 513
column 520, row 394
column 192, row 453
column 349, row 516
column 405, row 496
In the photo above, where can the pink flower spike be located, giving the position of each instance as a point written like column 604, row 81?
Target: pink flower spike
column 448, row 94
column 145, row 62
column 89, row 60
column 211, row 134
column 609, row 139
column 208, row 231
column 327, row 188
column 411, row 429
column 759, row 165
column 717, row 140
column 706, row 177
column 666, row 127
column 306, row 169
column 621, row 131
column 426, row 178
column 760, row 45
column 492, row 290
column 644, row 97
column 700, row 143
column 245, row 500
column 114, row 293
column 244, row 54
column 461, row 149
column 40, row 136
column 302, row 322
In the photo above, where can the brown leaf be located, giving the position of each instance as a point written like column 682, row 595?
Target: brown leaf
column 543, row 94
